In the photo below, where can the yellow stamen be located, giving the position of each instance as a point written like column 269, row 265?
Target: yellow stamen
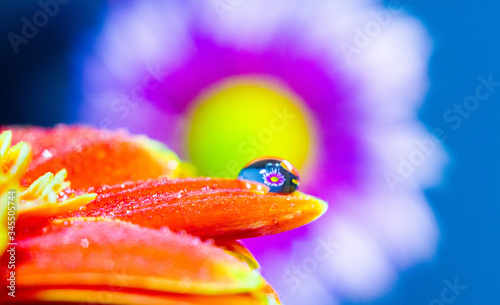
column 39, row 200
column 14, row 162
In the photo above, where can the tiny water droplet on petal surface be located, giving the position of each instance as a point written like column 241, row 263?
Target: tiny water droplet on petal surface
column 84, row 243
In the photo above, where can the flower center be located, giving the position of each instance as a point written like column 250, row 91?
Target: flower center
column 241, row 118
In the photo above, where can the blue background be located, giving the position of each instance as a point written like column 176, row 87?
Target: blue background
column 466, row 35
column 37, row 83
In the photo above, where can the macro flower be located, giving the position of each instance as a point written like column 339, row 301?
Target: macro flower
column 151, row 238
column 332, row 86
column 274, row 178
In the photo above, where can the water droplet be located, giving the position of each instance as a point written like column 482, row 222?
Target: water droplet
column 181, row 194
column 46, row 154
column 84, row 243
column 278, row 174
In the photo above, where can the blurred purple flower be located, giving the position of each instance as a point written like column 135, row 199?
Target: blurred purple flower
column 360, row 68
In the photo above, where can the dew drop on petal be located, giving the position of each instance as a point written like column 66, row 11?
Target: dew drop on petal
column 84, row 243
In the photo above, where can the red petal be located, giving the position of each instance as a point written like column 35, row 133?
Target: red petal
column 105, row 295
column 119, row 254
column 208, row 208
column 91, row 156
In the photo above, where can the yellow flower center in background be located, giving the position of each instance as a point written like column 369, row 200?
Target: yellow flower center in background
column 239, row 119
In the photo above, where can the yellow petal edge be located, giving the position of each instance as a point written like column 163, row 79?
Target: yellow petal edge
column 175, row 167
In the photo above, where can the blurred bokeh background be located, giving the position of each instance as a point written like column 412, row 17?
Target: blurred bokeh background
column 40, row 84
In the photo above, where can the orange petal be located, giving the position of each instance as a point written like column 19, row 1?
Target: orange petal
column 108, row 296
column 94, row 157
column 204, row 207
column 119, row 254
